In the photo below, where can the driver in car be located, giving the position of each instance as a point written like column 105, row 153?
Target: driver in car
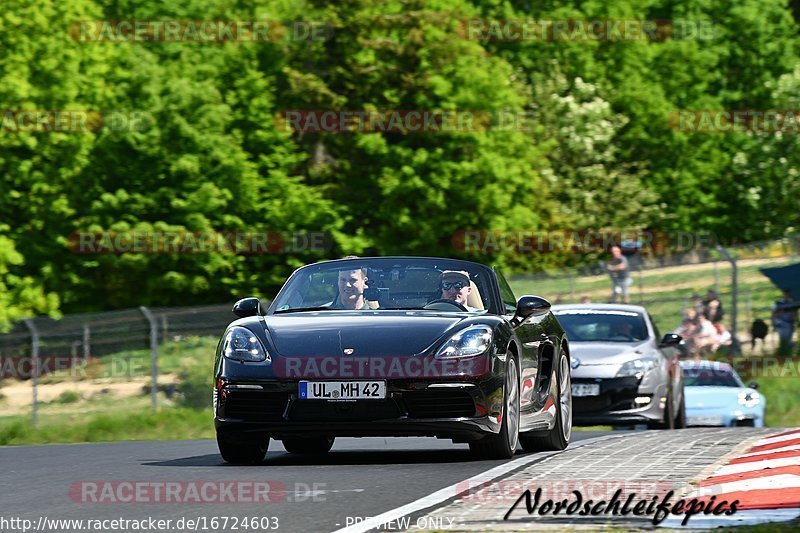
column 455, row 286
column 351, row 285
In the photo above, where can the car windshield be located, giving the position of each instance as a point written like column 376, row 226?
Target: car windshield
column 694, row 376
column 378, row 284
column 594, row 325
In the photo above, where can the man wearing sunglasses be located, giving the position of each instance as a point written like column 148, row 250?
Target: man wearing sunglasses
column 455, row 286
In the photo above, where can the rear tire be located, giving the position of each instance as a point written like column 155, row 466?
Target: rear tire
column 312, row 445
column 503, row 445
column 680, row 418
column 559, row 436
column 243, row 448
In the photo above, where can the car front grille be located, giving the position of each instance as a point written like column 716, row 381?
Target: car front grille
column 360, row 410
column 616, row 394
column 441, row 403
column 253, row 405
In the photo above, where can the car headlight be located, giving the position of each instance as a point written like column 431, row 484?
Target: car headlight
column 637, row 366
column 242, row 344
column 749, row 399
column 468, row 342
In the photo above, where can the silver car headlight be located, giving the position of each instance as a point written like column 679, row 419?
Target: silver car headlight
column 468, row 342
column 637, row 367
column 242, row 344
column 749, row 399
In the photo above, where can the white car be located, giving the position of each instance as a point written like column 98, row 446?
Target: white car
column 623, row 371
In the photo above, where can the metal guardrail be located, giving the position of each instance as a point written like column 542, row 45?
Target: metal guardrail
column 95, row 335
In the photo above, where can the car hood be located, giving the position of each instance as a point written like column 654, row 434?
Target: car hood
column 403, row 333
column 603, row 359
column 706, row 397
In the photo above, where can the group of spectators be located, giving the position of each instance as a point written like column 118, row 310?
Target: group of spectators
column 702, row 326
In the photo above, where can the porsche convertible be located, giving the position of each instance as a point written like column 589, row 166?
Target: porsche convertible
column 392, row 346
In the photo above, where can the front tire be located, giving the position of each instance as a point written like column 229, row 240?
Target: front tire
column 504, row 444
column 243, row 448
column 312, row 445
column 668, row 420
column 559, row 436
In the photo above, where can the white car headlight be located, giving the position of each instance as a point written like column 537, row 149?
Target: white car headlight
column 468, row 342
column 242, row 344
column 749, row 399
column 637, row 366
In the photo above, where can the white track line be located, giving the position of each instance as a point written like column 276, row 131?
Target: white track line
column 756, row 465
column 779, row 438
column 450, row 492
column 776, row 482
column 770, row 452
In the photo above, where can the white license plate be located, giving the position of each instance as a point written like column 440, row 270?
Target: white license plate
column 704, row 421
column 342, row 390
column 585, row 389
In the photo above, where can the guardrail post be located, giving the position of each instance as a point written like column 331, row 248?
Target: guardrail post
column 737, row 347
column 153, row 355
column 86, row 338
column 34, row 368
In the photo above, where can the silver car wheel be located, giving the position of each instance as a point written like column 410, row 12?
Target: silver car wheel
column 565, row 395
column 512, row 404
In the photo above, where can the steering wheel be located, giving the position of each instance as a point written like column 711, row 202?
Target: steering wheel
column 445, row 301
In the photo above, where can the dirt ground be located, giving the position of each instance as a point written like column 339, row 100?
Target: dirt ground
column 17, row 396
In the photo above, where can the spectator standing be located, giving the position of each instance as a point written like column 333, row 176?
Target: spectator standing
column 784, row 318
column 620, row 272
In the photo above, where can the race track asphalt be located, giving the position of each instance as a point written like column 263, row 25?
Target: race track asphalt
column 358, row 478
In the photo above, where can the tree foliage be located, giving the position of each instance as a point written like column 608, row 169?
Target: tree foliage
column 204, row 147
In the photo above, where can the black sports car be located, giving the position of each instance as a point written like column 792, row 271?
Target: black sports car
column 393, row 346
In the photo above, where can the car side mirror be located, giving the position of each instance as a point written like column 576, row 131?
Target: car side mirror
column 531, row 306
column 247, row 307
column 753, row 385
column 671, row 339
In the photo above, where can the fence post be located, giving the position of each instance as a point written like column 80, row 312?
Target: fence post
column 153, row 355
column 749, row 306
column 737, row 348
column 164, row 327
column 86, row 337
column 716, row 277
column 34, row 368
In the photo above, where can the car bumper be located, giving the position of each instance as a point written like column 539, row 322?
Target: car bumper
column 617, row 403
column 735, row 418
column 461, row 411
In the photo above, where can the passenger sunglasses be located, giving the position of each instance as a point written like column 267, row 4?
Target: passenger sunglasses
column 446, row 285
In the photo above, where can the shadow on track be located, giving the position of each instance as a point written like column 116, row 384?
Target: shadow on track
column 338, row 458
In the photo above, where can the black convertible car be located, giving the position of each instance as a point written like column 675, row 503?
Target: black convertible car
column 393, row 346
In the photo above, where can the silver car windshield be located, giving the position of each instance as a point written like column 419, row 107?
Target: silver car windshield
column 589, row 325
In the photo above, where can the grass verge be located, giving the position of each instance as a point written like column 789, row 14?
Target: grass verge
column 173, row 423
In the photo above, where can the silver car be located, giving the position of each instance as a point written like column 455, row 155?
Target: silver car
column 623, row 371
